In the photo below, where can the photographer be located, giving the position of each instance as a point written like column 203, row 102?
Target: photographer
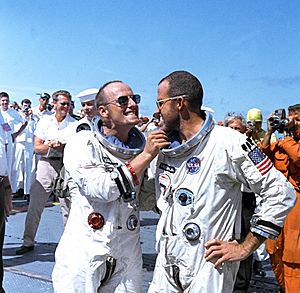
column 285, row 154
column 254, row 125
column 22, row 163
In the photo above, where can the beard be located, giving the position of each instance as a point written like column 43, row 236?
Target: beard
column 170, row 125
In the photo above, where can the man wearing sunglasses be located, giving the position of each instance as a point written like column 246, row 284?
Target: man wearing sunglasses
column 51, row 135
column 99, row 250
column 42, row 109
column 198, row 182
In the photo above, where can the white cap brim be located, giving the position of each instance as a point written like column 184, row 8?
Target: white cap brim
column 87, row 95
column 208, row 109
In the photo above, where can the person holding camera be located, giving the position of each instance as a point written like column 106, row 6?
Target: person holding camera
column 23, row 157
column 254, row 125
column 285, row 154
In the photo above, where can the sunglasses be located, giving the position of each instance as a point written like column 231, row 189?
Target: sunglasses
column 123, row 100
column 65, row 104
column 160, row 103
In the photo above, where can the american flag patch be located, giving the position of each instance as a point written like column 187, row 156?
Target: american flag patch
column 261, row 161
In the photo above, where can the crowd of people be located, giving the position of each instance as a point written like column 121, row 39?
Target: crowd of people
column 221, row 188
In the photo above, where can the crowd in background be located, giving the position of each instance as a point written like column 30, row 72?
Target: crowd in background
column 21, row 125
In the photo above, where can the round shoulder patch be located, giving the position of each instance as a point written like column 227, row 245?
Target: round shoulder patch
column 193, row 165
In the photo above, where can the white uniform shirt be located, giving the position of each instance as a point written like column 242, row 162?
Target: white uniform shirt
column 38, row 114
column 27, row 135
column 48, row 128
column 14, row 120
column 3, row 161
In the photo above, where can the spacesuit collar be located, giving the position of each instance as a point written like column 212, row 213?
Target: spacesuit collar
column 134, row 146
column 178, row 149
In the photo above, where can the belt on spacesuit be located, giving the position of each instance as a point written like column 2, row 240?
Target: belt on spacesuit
column 176, row 271
column 110, row 268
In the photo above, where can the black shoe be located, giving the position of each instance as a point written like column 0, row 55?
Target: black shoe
column 17, row 195
column 258, row 269
column 24, row 249
column 26, row 197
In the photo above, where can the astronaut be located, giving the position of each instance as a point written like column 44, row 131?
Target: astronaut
column 198, row 181
column 99, row 250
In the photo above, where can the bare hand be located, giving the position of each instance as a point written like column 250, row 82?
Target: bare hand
column 224, row 251
column 156, row 140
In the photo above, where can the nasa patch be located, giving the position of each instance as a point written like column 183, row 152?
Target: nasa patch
column 193, row 165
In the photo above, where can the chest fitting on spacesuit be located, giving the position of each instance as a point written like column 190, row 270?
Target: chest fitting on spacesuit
column 95, row 220
column 184, row 196
column 192, row 231
column 132, row 223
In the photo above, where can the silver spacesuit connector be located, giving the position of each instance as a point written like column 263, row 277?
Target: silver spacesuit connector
column 132, row 223
column 83, row 126
column 191, row 231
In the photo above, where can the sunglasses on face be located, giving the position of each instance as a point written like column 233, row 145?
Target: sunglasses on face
column 65, row 104
column 160, row 103
column 123, row 100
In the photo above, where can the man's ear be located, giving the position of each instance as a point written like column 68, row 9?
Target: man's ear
column 180, row 104
column 103, row 111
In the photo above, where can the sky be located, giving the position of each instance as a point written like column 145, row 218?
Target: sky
column 245, row 53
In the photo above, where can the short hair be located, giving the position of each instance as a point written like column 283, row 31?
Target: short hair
column 185, row 83
column 230, row 116
column 27, row 101
column 4, row 95
column 101, row 97
column 61, row 92
column 293, row 108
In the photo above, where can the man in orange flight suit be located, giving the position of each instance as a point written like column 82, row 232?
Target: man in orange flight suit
column 285, row 251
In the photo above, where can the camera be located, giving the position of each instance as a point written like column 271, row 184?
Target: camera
column 26, row 110
column 49, row 107
column 250, row 124
column 279, row 121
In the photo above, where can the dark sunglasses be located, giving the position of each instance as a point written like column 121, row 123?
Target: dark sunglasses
column 65, row 104
column 123, row 100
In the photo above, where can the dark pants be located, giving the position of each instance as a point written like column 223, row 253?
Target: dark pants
column 2, row 232
column 243, row 277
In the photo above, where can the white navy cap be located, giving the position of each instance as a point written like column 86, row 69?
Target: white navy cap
column 208, row 109
column 87, row 95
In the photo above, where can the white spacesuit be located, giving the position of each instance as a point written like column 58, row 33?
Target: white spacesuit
column 100, row 248
column 85, row 123
column 199, row 184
